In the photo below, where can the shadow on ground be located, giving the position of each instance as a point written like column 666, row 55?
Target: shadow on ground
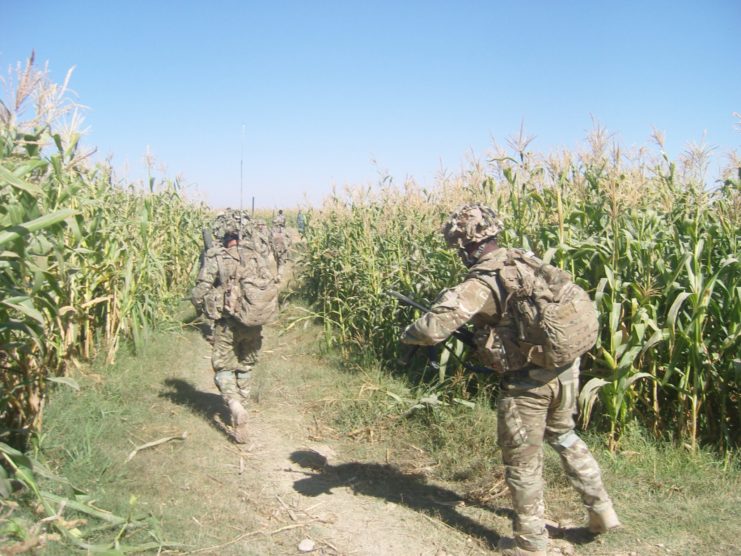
column 574, row 535
column 205, row 404
column 389, row 483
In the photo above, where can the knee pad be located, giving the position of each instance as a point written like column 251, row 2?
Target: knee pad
column 563, row 441
column 223, row 379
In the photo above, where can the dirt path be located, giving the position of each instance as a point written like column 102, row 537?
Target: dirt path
column 289, row 489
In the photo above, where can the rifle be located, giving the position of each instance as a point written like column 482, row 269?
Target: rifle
column 465, row 336
column 208, row 239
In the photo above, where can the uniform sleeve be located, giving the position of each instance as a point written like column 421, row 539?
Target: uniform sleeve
column 205, row 281
column 452, row 309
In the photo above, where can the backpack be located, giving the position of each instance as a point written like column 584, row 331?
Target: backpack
column 553, row 321
column 250, row 289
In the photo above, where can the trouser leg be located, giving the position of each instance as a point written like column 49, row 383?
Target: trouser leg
column 577, row 460
column 236, row 348
column 229, row 361
column 521, row 417
column 247, row 344
column 247, row 349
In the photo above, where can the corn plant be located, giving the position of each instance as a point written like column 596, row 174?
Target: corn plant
column 84, row 262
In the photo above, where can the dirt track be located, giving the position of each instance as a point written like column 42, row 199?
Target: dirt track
column 289, row 489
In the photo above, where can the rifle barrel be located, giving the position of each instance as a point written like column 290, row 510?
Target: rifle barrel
column 465, row 336
column 404, row 299
column 462, row 334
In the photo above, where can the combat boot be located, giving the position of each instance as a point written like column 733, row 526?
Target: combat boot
column 239, row 421
column 603, row 521
column 508, row 547
column 517, row 551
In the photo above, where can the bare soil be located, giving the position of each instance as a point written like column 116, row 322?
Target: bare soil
column 289, row 489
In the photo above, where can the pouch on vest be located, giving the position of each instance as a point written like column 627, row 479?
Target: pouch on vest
column 497, row 348
column 213, row 303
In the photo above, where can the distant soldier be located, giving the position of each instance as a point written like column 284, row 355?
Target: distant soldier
column 301, row 222
column 280, row 220
column 220, row 293
column 508, row 295
column 280, row 248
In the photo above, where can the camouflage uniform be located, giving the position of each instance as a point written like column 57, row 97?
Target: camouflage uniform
column 534, row 404
column 279, row 241
column 263, row 242
column 301, row 223
column 225, row 221
column 280, row 248
column 280, row 220
column 235, row 346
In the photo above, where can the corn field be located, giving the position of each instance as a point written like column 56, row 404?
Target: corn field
column 84, row 262
column 655, row 247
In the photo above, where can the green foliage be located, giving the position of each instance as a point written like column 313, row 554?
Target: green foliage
column 84, row 262
column 71, row 520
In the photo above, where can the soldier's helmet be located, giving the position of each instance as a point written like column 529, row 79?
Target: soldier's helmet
column 231, row 220
column 471, row 224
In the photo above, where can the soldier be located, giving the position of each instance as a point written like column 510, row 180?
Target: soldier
column 280, row 248
column 301, row 222
column 280, row 241
column 280, row 220
column 213, row 239
column 535, row 402
column 235, row 346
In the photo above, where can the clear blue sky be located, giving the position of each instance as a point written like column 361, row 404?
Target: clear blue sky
column 326, row 88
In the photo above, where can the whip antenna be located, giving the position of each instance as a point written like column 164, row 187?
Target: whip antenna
column 241, row 186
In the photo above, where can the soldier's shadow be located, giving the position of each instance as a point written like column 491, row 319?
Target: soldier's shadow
column 389, row 483
column 204, row 404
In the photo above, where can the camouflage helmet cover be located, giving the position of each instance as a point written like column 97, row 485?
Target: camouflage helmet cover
column 229, row 223
column 471, row 224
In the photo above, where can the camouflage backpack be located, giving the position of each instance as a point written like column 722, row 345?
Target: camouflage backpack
column 552, row 320
column 250, row 290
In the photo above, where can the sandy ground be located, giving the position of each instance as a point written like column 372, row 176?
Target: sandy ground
column 288, row 491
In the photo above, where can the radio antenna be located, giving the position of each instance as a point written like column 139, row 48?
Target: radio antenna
column 241, row 186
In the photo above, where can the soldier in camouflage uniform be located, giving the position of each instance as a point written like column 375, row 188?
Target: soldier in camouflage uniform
column 280, row 248
column 280, row 220
column 534, row 403
column 235, row 346
column 213, row 237
column 280, row 241
column 301, row 222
